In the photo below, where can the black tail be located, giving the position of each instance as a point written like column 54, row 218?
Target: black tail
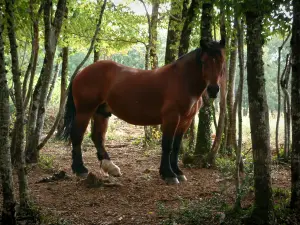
column 70, row 112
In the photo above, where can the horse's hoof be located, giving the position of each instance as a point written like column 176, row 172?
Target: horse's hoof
column 171, row 180
column 181, row 178
column 110, row 168
column 82, row 175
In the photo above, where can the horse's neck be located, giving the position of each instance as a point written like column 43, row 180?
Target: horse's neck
column 192, row 74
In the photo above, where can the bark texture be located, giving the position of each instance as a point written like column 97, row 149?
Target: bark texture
column 8, row 209
column 263, row 212
column 295, row 198
column 174, row 28
column 19, row 123
column 203, row 141
column 52, row 30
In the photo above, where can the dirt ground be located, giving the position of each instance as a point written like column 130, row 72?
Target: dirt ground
column 141, row 192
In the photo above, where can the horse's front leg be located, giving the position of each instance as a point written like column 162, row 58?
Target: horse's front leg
column 169, row 127
column 174, row 158
column 181, row 129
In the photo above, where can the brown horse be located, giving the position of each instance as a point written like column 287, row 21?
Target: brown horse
column 170, row 96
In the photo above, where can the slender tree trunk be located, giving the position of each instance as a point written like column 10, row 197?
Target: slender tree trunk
column 93, row 41
column 53, row 81
column 151, row 56
column 96, row 54
column 153, row 41
column 295, row 169
column 19, row 123
column 239, row 99
column 63, row 86
column 279, row 96
column 174, row 28
column 220, row 128
column 284, row 80
column 52, row 30
column 203, row 141
column 263, row 212
column 9, row 202
column 221, row 123
column 231, row 133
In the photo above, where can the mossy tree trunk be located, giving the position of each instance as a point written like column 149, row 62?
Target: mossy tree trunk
column 263, row 212
column 52, row 31
column 8, row 206
column 19, row 123
column 203, row 141
column 174, row 31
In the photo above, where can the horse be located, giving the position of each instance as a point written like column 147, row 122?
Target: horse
column 169, row 96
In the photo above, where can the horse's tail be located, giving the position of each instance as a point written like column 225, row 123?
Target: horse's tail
column 69, row 117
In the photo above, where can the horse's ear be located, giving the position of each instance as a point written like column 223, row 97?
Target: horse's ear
column 203, row 44
column 223, row 42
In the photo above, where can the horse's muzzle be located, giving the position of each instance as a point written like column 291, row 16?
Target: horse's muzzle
column 213, row 90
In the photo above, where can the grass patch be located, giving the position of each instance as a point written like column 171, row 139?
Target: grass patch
column 208, row 211
column 46, row 162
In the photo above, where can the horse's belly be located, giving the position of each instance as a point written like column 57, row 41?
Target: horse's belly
column 136, row 113
column 138, row 118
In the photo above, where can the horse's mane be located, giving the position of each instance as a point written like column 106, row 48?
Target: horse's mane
column 213, row 48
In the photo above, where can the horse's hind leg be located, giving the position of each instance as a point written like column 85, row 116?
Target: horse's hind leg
column 98, row 137
column 77, row 132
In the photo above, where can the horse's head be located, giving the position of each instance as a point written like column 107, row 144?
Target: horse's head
column 212, row 59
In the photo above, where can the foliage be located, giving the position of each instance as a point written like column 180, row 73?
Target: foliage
column 46, row 162
column 204, row 211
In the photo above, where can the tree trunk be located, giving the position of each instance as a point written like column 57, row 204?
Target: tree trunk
column 185, row 37
column 239, row 100
column 19, row 123
column 295, row 197
column 8, row 205
column 53, row 81
column 263, row 212
column 63, row 83
column 220, row 128
column 222, row 116
column 174, row 28
column 284, row 81
column 153, row 41
column 279, row 96
column 151, row 56
column 203, row 141
column 231, row 126
column 52, row 30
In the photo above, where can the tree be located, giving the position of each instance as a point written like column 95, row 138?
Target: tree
column 183, row 49
column 231, row 125
column 222, row 115
column 19, row 123
column 238, row 102
column 263, row 212
column 203, row 141
column 8, row 209
column 295, row 197
column 52, row 31
column 64, row 70
column 153, row 40
column 174, row 28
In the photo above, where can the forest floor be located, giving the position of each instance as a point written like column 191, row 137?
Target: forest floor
column 140, row 197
